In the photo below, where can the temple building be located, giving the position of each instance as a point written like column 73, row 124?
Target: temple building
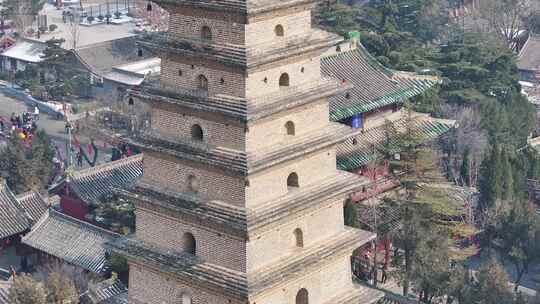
column 375, row 98
column 240, row 199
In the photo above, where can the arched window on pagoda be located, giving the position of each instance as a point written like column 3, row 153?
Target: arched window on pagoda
column 289, row 128
column 298, row 238
column 197, row 132
column 302, row 297
column 189, row 243
column 206, row 33
column 292, row 180
column 284, row 80
column 279, row 31
column 202, row 83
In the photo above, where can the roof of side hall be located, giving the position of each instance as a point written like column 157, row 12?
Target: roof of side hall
column 529, row 57
column 374, row 86
column 18, row 213
column 76, row 242
column 93, row 183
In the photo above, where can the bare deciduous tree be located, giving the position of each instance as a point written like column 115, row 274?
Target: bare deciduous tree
column 505, row 18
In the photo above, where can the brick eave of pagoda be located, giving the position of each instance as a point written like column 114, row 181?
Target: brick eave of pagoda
column 245, row 8
column 241, row 109
column 237, row 55
column 238, row 162
column 187, row 267
column 241, row 222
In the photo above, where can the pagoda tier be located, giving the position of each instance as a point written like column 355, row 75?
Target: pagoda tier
column 243, row 222
column 186, row 267
column 238, row 55
column 245, row 8
column 239, row 162
column 237, row 108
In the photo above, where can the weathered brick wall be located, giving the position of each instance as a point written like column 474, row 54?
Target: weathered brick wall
column 295, row 24
column 307, row 119
column 149, row 287
column 233, row 82
column 322, row 285
column 256, row 87
column 316, row 226
column 177, row 124
column 188, row 23
column 212, row 246
column 311, row 169
column 213, row 183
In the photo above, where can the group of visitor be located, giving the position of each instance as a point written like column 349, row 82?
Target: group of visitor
column 23, row 125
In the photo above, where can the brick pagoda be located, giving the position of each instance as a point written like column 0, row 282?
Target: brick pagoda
column 240, row 200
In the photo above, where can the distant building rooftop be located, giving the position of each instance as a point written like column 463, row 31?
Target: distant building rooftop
column 134, row 73
column 26, row 50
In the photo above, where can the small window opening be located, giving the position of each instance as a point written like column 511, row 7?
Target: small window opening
column 354, row 141
column 206, row 33
column 197, row 133
column 149, row 7
column 298, row 237
column 289, row 127
column 179, row 72
column 130, row 101
column 222, row 81
column 190, row 245
column 265, row 79
column 292, row 180
column 284, row 80
column 302, row 69
column 139, row 53
column 192, row 67
column 278, row 30
column 202, row 83
column 192, row 184
column 302, row 297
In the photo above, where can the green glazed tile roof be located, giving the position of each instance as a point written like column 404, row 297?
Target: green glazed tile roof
column 374, row 86
column 351, row 156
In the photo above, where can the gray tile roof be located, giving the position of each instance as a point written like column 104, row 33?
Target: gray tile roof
column 13, row 220
column 106, row 292
column 374, row 86
column 34, row 205
column 76, row 242
column 93, row 183
column 4, row 291
column 100, row 58
column 529, row 57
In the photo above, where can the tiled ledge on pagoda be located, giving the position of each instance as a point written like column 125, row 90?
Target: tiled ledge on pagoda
column 299, row 145
column 357, row 152
column 249, row 56
column 308, row 259
column 246, row 7
column 359, row 294
column 218, row 215
column 303, row 199
column 184, row 266
column 230, row 160
column 225, row 53
column 240, row 108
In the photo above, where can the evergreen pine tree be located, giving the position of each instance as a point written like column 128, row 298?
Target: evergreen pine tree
column 350, row 214
column 507, row 178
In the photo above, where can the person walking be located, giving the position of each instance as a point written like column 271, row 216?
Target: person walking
column 36, row 113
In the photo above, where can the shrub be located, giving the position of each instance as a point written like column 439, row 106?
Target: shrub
column 117, row 15
column 90, row 19
column 42, row 29
column 52, row 27
column 100, row 18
